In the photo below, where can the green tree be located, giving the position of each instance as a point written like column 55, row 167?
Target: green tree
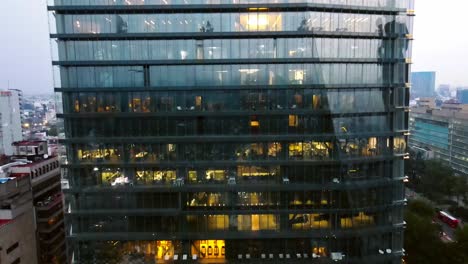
column 53, row 131
column 422, row 242
column 421, row 208
column 459, row 249
column 461, row 188
column 437, row 180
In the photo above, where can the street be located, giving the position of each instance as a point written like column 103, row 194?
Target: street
column 448, row 234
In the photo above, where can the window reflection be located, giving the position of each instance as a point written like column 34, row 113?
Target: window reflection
column 347, row 74
column 212, row 49
column 372, row 3
column 225, row 22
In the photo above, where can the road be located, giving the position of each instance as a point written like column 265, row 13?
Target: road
column 448, row 232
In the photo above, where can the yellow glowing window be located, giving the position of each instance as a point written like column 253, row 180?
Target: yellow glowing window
column 167, row 175
column 170, row 147
column 192, row 175
column 399, row 144
column 293, row 121
column 320, row 251
column 260, row 22
column 315, row 101
column 198, row 101
column 295, row 149
column 274, row 149
column 217, row 175
column 299, row 75
column 209, row 249
column 256, row 222
column 110, row 176
column 254, row 123
column 218, row 222
column 258, row 9
column 77, row 106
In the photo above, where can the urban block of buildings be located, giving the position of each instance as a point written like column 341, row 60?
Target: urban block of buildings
column 441, row 133
column 32, row 206
column 219, row 131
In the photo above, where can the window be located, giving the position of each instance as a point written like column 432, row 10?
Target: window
column 12, row 247
column 293, row 121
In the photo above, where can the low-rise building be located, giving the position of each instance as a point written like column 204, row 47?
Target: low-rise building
column 17, row 225
column 44, row 172
column 441, row 133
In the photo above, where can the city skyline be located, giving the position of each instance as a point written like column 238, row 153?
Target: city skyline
column 29, row 39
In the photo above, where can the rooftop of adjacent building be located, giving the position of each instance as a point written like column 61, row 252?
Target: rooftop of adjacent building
column 10, row 92
column 36, row 162
column 449, row 109
column 28, row 159
column 28, row 143
column 4, row 222
column 7, row 179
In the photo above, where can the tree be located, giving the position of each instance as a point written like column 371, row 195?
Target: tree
column 459, row 249
column 53, row 131
column 461, row 188
column 437, row 180
column 422, row 243
column 421, row 208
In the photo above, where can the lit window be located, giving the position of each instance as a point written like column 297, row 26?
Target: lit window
column 254, row 123
column 260, row 22
column 293, row 121
column 209, row 249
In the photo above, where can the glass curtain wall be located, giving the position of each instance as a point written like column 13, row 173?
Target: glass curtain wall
column 243, row 130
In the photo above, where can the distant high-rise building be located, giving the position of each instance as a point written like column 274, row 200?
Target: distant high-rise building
column 423, row 84
column 17, row 234
column 219, row 131
column 444, row 90
column 10, row 120
column 462, row 95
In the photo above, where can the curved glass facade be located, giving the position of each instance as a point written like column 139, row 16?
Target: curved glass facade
column 222, row 131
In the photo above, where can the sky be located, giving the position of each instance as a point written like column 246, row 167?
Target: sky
column 441, row 43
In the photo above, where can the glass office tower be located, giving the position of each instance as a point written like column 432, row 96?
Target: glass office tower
column 227, row 131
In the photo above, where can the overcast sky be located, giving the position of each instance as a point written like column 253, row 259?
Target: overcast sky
column 441, row 43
